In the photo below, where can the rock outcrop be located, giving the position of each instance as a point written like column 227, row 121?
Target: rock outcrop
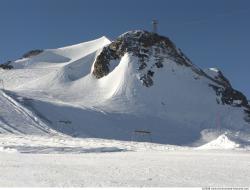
column 6, row 66
column 32, row 53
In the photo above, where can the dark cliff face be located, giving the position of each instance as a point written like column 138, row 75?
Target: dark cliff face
column 227, row 95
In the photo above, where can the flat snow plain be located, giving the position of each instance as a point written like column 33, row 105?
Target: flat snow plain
column 73, row 162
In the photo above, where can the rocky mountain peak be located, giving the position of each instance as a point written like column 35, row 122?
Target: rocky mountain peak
column 151, row 47
column 143, row 45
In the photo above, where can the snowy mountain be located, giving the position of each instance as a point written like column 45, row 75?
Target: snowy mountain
column 138, row 87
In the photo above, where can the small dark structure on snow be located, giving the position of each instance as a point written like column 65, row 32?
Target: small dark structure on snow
column 141, row 135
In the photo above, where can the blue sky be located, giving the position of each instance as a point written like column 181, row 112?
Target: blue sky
column 212, row 33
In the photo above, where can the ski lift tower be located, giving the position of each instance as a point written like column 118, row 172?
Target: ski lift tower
column 1, row 84
column 155, row 24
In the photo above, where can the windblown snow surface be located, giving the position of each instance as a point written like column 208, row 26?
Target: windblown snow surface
column 77, row 130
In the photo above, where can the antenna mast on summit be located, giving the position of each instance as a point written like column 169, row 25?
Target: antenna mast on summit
column 155, row 24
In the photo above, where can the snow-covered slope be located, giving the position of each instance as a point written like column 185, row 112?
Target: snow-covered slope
column 139, row 87
column 14, row 118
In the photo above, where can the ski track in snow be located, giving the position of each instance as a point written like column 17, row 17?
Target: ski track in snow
column 66, row 144
column 17, row 119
